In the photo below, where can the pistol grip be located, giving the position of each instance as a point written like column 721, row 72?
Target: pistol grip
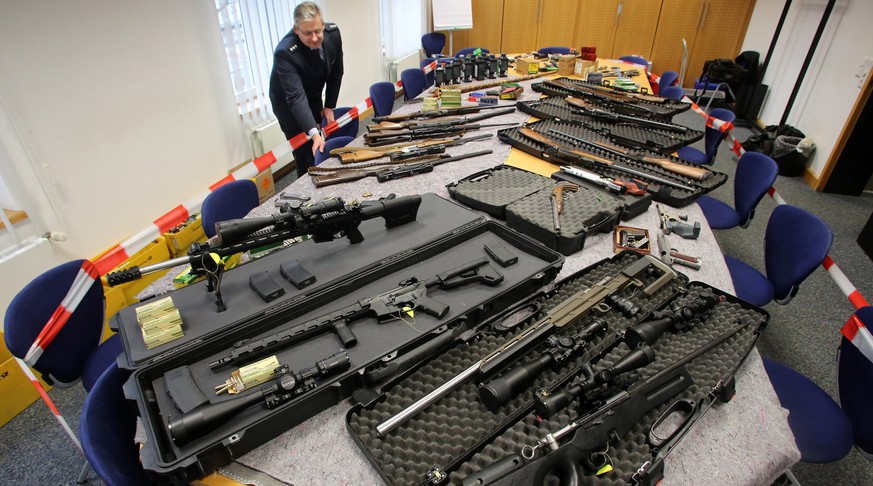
column 345, row 334
column 431, row 307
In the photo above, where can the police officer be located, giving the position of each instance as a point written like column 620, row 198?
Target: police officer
column 306, row 59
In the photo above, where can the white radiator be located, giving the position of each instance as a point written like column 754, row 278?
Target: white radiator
column 397, row 66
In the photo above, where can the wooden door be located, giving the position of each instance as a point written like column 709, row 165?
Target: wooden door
column 519, row 25
column 557, row 26
column 679, row 20
column 635, row 29
column 596, row 25
column 487, row 25
column 721, row 34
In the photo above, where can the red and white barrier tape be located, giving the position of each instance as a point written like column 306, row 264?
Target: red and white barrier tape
column 50, row 404
column 855, row 331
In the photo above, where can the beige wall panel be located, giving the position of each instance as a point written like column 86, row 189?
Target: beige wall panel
column 721, row 34
column 596, row 25
column 636, row 28
column 487, row 25
column 678, row 20
column 557, row 23
column 519, row 25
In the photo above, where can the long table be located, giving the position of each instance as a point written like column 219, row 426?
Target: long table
column 746, row 441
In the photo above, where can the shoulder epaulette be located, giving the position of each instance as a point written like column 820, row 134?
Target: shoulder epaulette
column 331, row 26
column 293, row 48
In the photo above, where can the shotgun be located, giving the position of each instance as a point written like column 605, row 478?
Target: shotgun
column 327, row 176
column 591, row 110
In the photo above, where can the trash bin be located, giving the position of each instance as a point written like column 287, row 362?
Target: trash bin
column 791, row 154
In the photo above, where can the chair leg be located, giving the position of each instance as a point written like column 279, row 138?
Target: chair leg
column 86, row 468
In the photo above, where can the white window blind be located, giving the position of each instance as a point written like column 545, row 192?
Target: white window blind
column 401, row 28
column 250, row 30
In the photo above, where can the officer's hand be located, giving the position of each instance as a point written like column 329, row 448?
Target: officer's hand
column 328, row 114
column 317, row 143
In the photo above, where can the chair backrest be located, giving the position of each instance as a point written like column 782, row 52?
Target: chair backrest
column 64, row 360
column 413, row 81
column 433, row 43
column 667, row 79
column 350, row 129
column 428, row 77
column 382, row 96
column 672, row 92
column 331, row 144
column 107, row 430
column 229, row 201
column 855, row 386
column 469, row 50
column 796, row 242
column 635, row 60
column 713, row 136
column 554, row 50
column 755, row 175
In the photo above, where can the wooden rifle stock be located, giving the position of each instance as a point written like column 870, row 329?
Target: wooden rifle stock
column 616, row 117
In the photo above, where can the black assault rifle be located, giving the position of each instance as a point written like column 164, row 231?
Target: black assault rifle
column 411, row 294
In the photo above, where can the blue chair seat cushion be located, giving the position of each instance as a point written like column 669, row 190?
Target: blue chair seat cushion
column 692, row 155
column 718, row 214
column 821, row 430
column 100, row 360
column 750, row 284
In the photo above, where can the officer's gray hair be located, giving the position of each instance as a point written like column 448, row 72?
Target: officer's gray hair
column 306, row 11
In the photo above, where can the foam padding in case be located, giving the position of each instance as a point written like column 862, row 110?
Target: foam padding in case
column 459, row 436
column 493, row 189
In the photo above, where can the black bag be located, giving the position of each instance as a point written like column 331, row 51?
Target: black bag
column 763, row 142
column 724, row 71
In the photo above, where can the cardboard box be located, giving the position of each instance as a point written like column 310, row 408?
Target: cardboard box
column 266, row 186
column 179, row 239
column 527, row 65
column 16, row 391
column 583, row 67
column 567, row 64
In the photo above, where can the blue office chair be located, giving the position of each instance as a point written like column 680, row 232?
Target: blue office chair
column 333, row 143
column 855, row 386
column 554, row 50
column 432, row 43
column 712, row 137
column 107, row 430
column 467, row 51
column 430, row 77
column 667, row 79
column 76, row 351
column 672, row 92
column 795, row 244
column 755, row 175
column 229, row 201
column 635, row 60
column 350, row 129
column 821, row 429
column 382, row 97
column 414, row 82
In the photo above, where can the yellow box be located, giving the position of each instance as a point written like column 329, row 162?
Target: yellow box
column 155, row 252
column 526, row 65
column 180, row 238
column 16, row 391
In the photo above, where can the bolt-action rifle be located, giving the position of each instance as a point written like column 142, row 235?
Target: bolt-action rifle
column 326, row 176
column 696, row 173
column 324, row 221
column 441, row 112
column 390, row 137
column 410, row 296
column 421, row 124
column 568, row 313
column 592, row 160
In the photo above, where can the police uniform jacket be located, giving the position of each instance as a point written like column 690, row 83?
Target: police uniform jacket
column 298, row 77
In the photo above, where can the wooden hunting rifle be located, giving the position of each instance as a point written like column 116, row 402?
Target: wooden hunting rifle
column 589, row 158
column 697, row 173
column 349, row 154
column 386, row 126
column 628, row 101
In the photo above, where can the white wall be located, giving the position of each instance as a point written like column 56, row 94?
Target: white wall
column 122, row 110
column 830, row 88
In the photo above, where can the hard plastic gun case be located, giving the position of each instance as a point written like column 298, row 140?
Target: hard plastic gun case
column 524, row 200
column 443, row 237
column 458, row 440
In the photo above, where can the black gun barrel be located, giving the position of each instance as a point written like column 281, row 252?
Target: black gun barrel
column 236, row 230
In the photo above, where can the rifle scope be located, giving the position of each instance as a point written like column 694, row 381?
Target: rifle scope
column 237, row 230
